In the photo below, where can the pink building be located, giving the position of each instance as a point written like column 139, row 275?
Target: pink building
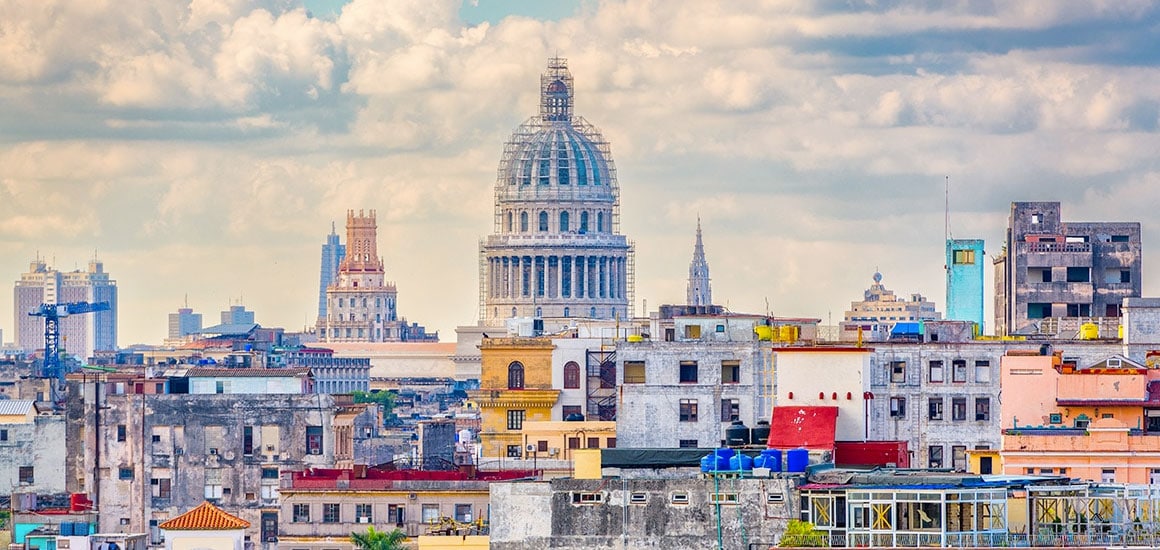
column 1098, row 422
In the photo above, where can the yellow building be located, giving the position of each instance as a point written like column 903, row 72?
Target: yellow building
column 559, row 439
column 515, row 386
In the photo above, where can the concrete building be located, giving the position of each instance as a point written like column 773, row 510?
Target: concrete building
column 556, row 252
column 964, row 266
column 144, row 455
column 333, row 253
column 237, row 315
column 80, row 335
column 184, row 323
column 1051, row 270
column 874, row 318
column 331, row 374
column 685, row 392
column 32, row 449
column 699, row 292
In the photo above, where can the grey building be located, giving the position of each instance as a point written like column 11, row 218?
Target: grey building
column 31, row 448
column 184, row 323
column 80, row 335
column 333, row 252
column 685, row 392
column 1051, row 270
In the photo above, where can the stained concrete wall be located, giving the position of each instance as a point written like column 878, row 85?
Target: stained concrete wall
column 640, row 513
column 38, row 444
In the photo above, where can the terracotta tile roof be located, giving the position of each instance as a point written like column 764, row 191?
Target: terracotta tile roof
column 206, row 517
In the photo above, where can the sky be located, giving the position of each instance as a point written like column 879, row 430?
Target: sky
column 202, row 148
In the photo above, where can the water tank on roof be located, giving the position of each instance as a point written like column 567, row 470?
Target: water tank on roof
column 796, row 460
column 764, row 333
column 787, row 333
column 1089, row 331
column 760, row 433
column 737, row 434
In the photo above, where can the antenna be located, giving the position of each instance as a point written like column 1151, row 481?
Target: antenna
column 946, row 217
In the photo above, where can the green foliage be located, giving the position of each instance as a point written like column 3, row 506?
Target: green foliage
column 802, row 534
column 379, row 540
column 385, row 400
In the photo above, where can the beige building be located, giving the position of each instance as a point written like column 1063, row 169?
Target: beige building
column 880, row 310
column 205, row 527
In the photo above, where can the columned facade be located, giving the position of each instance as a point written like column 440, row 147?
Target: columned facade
column 555, row 252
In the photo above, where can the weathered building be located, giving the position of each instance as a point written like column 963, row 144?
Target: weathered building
column 964, row 267
column 1051, row 269
column 32, row 448
column 145, row 457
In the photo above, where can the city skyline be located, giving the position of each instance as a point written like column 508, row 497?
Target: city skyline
column 210, row 158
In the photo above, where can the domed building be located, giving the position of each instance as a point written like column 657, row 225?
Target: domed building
column 556, row 252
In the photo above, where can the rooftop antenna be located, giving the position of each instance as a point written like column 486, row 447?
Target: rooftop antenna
column 946, row 216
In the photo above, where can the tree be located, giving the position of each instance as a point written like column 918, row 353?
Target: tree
column 379, row 540
column 800, row 534
column 384, row 399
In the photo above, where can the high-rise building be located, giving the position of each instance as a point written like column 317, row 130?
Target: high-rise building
column 964, row 265
column 1050, row 269
column 80, row 335
column 699, row 292
column 556, row 251
column 360, row 301
column 875, row 317
column 237, row 315
column 333, row 253
column 183, row 323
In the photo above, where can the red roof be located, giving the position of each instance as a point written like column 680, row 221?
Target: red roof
column 206, row 517
column 809, row 427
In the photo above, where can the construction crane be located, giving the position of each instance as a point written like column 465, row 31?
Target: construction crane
column 52, row 314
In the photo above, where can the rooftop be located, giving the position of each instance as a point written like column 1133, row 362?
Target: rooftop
column 206, row 517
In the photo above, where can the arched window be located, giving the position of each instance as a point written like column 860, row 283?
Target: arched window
column 563, row 221
column 539, row 312
column 600, row 222
column 543, row 221
column 584, row 222
column 513, row 312
column 516, row 376
column 523, row 222
column 509, row 222
column 592, row 313
column 571, row 376
column 566, row 311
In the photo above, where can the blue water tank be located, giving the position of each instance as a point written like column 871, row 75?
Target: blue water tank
column 740, row 462
column 81, row 530
column 66, row 529
column 708, row 462
column 796, row 460
column 723, row 455
column 771, row 459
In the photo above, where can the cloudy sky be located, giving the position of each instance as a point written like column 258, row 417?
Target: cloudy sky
column 202, row 148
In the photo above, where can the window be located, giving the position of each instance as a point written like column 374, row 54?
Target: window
column 514, row 451
column 935, row 406
column 964, row 256
column 1039, row 274
column 983, row 372
column 935, row 372
column 1120, row 238
column 430, row 513
column 897, row 407
column 3, row 435
column 314, row 440
column 1079, row 274
column 220, row 385
column 958, row 370
column 1079, row 310
column 593, row 443
column 897, row 372
column 515, row 419
column 688, row 372
column 688, row 410
column 1082, row 421
column 584, row 222
column 1037, row 310
column 543, row 221
column 634, row 372
column 1108, row 475
column 730, row 372
column 692, row 331
column 1036, row 218
column 523, row 222
column 934, row 456
column 330, row 512
column 638, row 498
column 730, row 410
column 610, row 442
column 587, row 497
column 516, row 376
column 959, row 457
column 120, row 432
column 959, row 408
column 564, row 221
column 248, row 440
column 571, row 376
column 687, row 444
column 125, row 473
column 573, row 442
column 26, row 475
column 269, row 473
column 569, row 410
column 161, row 487
column 542, row 446
column 301, row 513
column 463, row 513
column 983, row 409
column 1055, row 418
column 396, row 513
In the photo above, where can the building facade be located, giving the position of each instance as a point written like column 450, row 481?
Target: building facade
column 80, row 335
column 964, row 266
column 874, row 318
column 1051, row 270
column 360, row 301
column 32, row 448
column 699, row 292
column 556, row 252
column 184, row 323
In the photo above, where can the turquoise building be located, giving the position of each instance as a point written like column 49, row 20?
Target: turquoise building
column 964, row 266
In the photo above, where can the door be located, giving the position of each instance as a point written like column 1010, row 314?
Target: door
column 984, row 465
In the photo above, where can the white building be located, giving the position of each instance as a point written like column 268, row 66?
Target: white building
column 80, row 335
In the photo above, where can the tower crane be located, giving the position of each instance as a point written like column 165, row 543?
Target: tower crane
column 52, row 314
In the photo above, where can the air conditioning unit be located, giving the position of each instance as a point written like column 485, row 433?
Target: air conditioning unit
column 553, row 451
column 364, row 519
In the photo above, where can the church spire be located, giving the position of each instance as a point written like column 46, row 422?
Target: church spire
column 699, row 293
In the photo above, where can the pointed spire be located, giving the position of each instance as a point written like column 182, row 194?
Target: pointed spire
column 699, row 292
